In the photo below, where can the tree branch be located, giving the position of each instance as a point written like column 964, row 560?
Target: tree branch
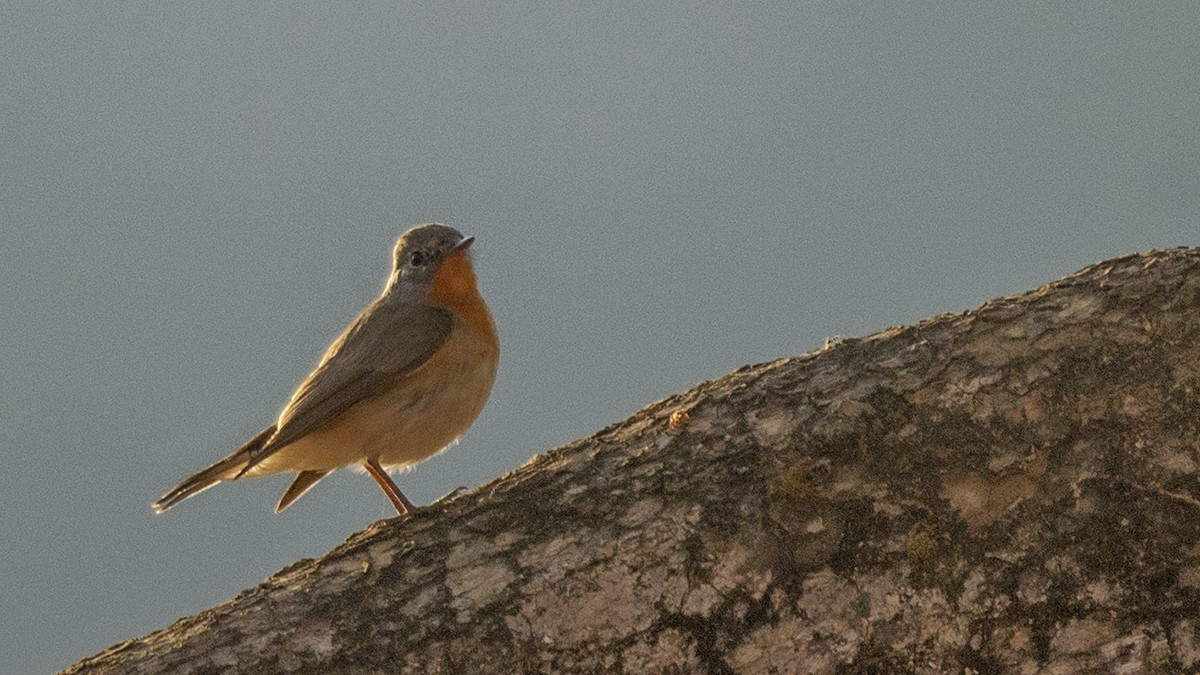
column 1001, row 490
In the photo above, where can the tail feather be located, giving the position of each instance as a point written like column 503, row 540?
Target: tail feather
column 226, row 469
column 303, row 483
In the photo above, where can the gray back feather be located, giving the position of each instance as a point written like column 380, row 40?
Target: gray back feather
column 389, row 339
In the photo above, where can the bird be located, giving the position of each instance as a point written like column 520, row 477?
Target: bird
column 402, row 382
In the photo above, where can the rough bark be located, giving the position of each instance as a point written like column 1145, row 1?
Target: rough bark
column 1009, row 489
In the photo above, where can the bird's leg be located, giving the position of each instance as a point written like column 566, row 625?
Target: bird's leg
column 403, row 506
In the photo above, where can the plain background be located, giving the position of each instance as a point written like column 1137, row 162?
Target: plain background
column 196, row 198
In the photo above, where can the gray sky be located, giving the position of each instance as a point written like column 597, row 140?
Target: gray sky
column 195, row 199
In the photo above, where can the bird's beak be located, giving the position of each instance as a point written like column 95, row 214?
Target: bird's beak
column 462, row 245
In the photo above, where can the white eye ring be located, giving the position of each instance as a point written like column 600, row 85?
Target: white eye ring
column 417, row 259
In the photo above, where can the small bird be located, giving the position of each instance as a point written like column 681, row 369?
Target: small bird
column 403, row 381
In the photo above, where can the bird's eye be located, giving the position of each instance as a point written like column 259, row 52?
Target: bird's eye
column 417, row 259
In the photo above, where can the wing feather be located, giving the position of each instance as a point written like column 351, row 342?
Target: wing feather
column 386, row 341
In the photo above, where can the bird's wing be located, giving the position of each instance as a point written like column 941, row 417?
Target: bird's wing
column 385, row 342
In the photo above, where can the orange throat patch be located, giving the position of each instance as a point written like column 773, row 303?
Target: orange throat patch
column 454, row 287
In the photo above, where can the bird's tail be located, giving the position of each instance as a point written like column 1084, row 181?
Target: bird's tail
column 303, row 483
column 229, row 468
